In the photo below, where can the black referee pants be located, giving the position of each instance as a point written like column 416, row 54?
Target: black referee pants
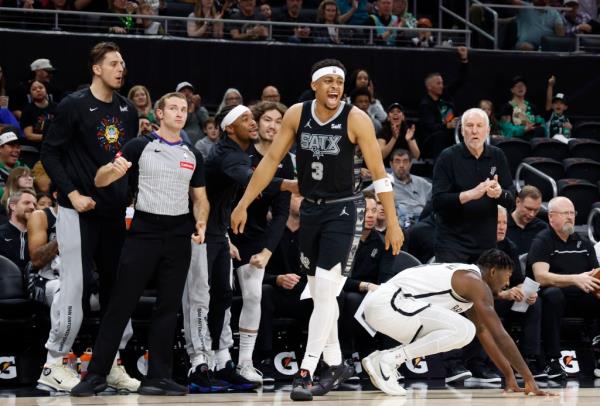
column 155, row 246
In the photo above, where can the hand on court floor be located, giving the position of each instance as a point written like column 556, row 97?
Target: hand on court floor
column 532, row 389
column 238, row 219
column 394, row 238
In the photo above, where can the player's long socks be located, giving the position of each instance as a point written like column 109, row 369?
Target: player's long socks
column 250, row 280
column 332, row 353
column 323, row 288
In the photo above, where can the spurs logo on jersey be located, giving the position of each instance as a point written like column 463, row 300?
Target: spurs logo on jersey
column 320, row 144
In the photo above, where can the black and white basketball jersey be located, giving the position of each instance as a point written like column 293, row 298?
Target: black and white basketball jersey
column 324, row 154
column 432, row 283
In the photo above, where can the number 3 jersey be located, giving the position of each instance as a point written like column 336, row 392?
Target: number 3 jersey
column 324, row 154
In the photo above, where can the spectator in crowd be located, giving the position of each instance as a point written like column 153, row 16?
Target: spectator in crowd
column 10, row 151
column 361, row 98
column 35, row 120
column 292, row 13
column 469, row 180
column 44, row 200
column 42, row 71
column 146, row 24
column 251, row 31
column 575, row 19
column 13, row 234
column 488, row 107
column 20, row 178
column 400, row 10
column 121, row 24
column 371, row 265
column 383, row 21
column 530, row 320
column 523, row 224
column 3, row 97
column 282, row 285
column 437, row 115
column 144, row 125
column 328, row 14
column 411, row 192
column 270, row 93
column 425, row 39
column 519, row 117
column 558, row 125
column 361, row 78
column 140, row 96
column 266, row 11
column 395, row 133
column 231, row 97
column 212, row 137
column 533, row 24
column 355, row 12
column 197, row 113
column 561, row 261
column 205, row 29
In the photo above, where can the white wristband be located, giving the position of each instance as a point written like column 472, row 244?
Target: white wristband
column 383, row 185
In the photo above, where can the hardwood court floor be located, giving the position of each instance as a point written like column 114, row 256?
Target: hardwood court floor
column 419, row 395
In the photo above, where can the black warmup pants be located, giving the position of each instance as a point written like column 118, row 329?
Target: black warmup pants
column 221, row 293
column 558, row 302
column 155, row 246
column 531, row 320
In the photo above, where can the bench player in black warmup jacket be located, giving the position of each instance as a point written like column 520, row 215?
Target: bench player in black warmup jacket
column 327, row 132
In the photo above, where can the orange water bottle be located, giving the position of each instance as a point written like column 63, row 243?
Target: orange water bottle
column 70, row 360
column 85, row 359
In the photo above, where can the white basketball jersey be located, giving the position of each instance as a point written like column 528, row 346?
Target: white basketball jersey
column 433, row 284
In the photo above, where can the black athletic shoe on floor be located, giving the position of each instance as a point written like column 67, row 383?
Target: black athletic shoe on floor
column 89, row 386
column 554, row 370
column 162, row 387
column 301, row 386
column 482, row 373
column 268, row 370
column 331, row 377
column 455, row 371
column 534, row 367
column 230, row 375
column 202, row 380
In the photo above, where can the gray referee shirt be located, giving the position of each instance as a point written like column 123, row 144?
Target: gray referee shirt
column 163, row 172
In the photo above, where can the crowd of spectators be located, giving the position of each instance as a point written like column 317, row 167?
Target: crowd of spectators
column 215, row 19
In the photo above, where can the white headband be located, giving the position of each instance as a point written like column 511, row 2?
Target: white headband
column 328, row 70
column 233, row 115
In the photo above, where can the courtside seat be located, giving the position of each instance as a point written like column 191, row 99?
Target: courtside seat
column 549, row 148
column 582, row 193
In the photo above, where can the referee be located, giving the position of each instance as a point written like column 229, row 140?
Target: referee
column 167, row 173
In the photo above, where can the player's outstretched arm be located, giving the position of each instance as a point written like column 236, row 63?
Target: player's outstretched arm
column 267, row 167
column 362, row 132
column 475, row 290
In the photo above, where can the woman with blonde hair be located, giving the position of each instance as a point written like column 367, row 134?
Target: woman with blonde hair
column 19, row 178
column 231, row 97
column 205, row 29
column 140, row 96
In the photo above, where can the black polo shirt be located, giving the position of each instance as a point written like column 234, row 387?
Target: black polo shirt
column 509, row 248
column 469, row 228
column 574, row 256
column 523, row 237
column 370, row 262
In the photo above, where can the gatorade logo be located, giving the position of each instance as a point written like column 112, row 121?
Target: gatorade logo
column 568, row 362
column 418, row 366
column 8, row 368
column 285, row 363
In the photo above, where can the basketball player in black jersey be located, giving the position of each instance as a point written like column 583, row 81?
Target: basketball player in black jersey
column 327, row 132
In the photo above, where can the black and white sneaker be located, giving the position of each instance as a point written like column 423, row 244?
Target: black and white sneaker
column 236, row 381
column 554, row 370
column 301, row 386
column 535, row 369
column 162, row 387
column 455, row 371
column 331, row 377
column 596, row 348
column 482, row 373
column 268, row 371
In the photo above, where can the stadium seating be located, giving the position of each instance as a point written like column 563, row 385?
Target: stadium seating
column 550, row 167
column 582, row 168
column 582, row 193
column 549, row 148
column 515, row 150
column 584, row 148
